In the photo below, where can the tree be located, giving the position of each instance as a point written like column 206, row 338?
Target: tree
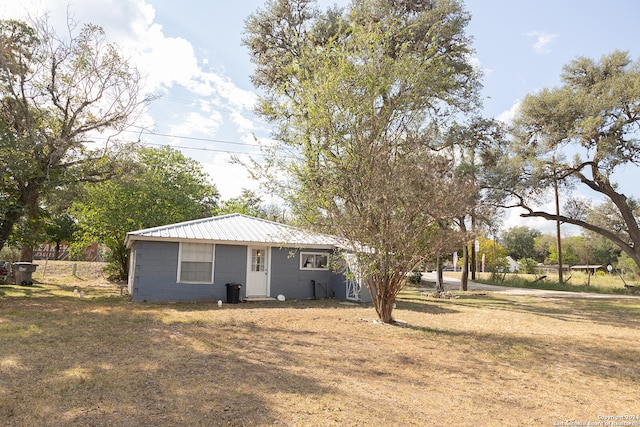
column 359, row 98
column 477, row 143
column 60, row 228
column 56, row 96
column 546, row 249
column 249, row 203
column 594, row 117
column 520, row 242
column 163, row 187
column 494, row 254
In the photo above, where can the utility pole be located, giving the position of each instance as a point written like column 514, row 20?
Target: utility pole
column 474, row 260
column 558, row 237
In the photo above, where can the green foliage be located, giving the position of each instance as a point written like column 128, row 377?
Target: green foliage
column 249, row 203
column 520, row 242
column 627, row 267
column 61, row 228
column 359, row 96
column 163, row 187
column 579, row 133
column 9, row 253
column 415, row 277
column 45, row 117
column 495, row 254
column 528, row 266
column 590, row 248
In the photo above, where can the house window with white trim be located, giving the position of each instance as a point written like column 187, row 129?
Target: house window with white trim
column 314, row 261
column 195, row 263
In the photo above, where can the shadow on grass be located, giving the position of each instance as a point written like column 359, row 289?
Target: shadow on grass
column 98, row 364
column 421, row 305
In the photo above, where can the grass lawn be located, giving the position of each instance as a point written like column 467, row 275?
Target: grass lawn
column 574, row 282
column 481, row 359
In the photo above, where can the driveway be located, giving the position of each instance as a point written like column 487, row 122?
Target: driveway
column 453, row 284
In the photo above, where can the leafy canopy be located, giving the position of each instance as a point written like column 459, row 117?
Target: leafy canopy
column 163, row 187
column 359, row 97
column 578, row 135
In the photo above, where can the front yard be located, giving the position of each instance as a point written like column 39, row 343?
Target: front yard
column 481, row 359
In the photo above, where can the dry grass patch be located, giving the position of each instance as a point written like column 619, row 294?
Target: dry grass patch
column 477, row 360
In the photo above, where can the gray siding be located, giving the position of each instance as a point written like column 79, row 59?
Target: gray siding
column 289, row 280
column 338, row 283
column 230, row 267
column 156, row 269
column 156, row 272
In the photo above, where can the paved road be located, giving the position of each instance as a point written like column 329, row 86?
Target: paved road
column 454, row 284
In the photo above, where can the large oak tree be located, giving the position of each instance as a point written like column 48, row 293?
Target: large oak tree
column 360, row 97
column 56, row 95
column 578, row 135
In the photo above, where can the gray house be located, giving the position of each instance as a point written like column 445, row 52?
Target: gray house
column 195, row 260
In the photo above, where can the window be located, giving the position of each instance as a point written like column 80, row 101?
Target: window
column 314, row 261
column 257, row 260
column 195, row 263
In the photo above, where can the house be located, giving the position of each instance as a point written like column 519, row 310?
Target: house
column 195, row 260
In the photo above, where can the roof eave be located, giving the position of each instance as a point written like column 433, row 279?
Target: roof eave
column 131, row 238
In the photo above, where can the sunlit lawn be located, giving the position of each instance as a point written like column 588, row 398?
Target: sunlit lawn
column 575, row 281
column 480, row 359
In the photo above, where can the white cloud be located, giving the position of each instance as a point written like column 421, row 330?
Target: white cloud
column 208, row 100
column 542, row 41
column 477, row 65
column 230, row 178
column 195, row 123
column 507, row 116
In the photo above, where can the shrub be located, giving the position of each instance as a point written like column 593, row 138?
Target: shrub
column 528, row 266
column 9, row 254
column 416, row 277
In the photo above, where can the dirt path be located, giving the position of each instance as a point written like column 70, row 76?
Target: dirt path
column 454, row 284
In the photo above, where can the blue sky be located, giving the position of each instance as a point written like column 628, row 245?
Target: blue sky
column 192, row 54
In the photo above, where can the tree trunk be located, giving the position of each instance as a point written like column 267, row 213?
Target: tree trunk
column 474, row 261
column 57, row 251
column 439, row 278
column 558, row 235
column 10, row 218
column 385, row 311
column 26, row 253
column 30, row 198
column 464, row 279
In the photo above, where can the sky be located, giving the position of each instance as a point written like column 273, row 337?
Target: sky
column 192, row 54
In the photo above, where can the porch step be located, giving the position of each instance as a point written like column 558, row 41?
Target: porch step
column 251, row 299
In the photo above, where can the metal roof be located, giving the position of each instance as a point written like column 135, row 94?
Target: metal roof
column 235, row 228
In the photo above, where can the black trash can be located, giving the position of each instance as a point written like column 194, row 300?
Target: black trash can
column 233, row 293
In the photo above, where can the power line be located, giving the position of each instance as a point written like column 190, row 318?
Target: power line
column 194, row 138
column 184, row 147
column 204, row 149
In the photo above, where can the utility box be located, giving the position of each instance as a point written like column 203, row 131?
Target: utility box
column 22, row 272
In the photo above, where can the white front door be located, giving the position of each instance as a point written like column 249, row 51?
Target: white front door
column 257, row 271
